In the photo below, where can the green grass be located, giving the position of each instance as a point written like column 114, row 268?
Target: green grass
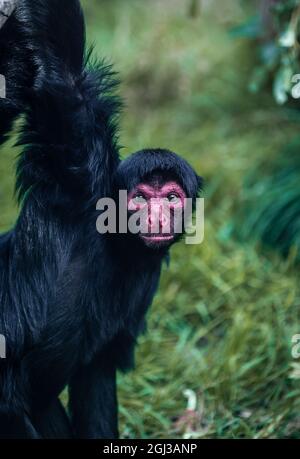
column 222, row 322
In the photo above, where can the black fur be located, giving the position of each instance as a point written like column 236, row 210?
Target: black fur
column 72, row 302
column 17, row 65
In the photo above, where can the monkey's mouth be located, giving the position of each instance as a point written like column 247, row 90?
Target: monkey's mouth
column 153, row 238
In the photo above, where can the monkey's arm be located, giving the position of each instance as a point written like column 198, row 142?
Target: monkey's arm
column 70, row 150
column 17, row 67
column 69, row 133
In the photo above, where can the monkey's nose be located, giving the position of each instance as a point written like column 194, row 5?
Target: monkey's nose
column 157, row 219
column 152, row 220
column 163, row 220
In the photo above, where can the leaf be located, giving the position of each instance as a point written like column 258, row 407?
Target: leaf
column 288, row 38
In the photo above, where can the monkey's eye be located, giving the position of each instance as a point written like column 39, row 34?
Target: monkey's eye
column 139, row 199
column 173, row 198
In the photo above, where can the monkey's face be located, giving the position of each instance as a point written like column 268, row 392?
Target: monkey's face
column 156, row 210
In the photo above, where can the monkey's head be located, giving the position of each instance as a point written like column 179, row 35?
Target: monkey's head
column 158, row 183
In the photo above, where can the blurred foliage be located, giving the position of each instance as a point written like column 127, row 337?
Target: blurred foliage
column 271, row 209
column 194, row 8
column 276, row 29
column 271, row 206
column 222, row 324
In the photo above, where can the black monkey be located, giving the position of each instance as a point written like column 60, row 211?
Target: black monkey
column 73, row 301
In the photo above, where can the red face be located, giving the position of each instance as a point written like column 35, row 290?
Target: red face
column 161, row 207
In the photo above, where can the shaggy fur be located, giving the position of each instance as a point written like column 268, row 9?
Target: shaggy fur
column 18, row 69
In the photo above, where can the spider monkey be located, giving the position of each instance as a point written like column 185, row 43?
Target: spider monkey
column 73, row 302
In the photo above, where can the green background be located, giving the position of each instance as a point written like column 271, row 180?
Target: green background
column 223, row 320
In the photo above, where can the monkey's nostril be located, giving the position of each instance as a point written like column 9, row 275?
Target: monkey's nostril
column 163, row 220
